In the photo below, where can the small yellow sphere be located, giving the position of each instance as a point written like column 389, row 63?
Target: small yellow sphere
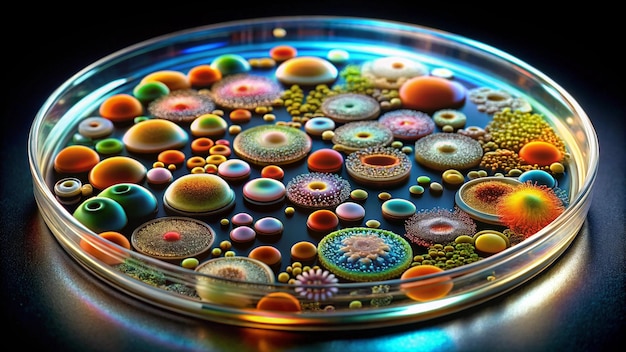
column 355, row 305
column 283, row 277
column 190, row 263
column 490, row 241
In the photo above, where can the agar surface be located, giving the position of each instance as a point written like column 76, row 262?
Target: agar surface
column 276, row 156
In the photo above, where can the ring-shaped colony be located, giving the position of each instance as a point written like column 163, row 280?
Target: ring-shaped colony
column 272, row 145
column 318, row 190
column 379, row 166
column 358, row 135
column 364, row 254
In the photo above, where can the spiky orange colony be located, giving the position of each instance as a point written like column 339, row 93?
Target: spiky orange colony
column 529, row 208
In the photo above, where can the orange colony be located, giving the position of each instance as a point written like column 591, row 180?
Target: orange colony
column 540, row 153
column 428, row 289
column 121, row 108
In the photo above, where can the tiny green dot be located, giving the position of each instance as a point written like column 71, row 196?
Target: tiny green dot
column 139, row 119
column 374, row 224
column 416, row 190
column 396, row 144
column 355, row 305
column 464, row 239
column 190, row 263
column 359, row 194
column 423, row 180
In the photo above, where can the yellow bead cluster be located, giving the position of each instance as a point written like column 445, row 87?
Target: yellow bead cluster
column 509, row 131
column 299, row 105
column 354, row 81
column 292, row 271
column 513, row 129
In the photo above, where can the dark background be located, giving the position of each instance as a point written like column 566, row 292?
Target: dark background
column 50, row 302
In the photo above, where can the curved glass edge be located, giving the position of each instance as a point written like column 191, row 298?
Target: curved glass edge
column 518, row 263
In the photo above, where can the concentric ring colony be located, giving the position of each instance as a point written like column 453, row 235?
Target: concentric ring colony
column 310, row 171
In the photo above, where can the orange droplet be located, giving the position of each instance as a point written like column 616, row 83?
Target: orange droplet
column 76, row 159
column 325, row 160
column 117, row 169
column 540, row 153
column 322, row 220
column 273, row 171
column 171, row 156
column 283, row 52
column 303, row 251
column 203, row 76
column 108, row 258
column 279, row 301
column 431, row 93
column 267, row 254
column 240, row 116
column 428, row 289
column 121, row 108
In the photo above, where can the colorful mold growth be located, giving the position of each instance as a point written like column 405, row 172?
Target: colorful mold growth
column 278, row 156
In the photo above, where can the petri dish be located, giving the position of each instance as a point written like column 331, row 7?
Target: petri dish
column 490, row 87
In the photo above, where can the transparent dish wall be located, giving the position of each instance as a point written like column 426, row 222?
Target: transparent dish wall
column 346, row 304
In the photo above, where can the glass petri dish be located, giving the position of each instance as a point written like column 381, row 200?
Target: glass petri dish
column 374, row 58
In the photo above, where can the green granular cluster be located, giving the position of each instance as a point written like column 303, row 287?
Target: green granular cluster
column 312, row 306
column 182, row 290
column 448, row 256
column 383, row 300
column 298, row 104
column 354, row 82
column 140, row 271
